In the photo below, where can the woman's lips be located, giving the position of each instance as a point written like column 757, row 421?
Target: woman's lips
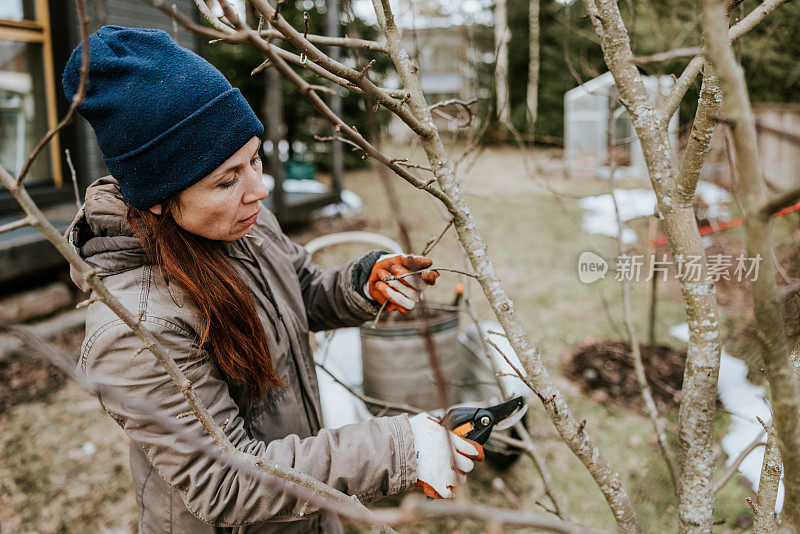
column 250, row 220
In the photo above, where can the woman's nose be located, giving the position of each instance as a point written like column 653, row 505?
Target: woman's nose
column 256, row 190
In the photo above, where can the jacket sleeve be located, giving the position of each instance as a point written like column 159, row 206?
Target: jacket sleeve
column 332, row 297
column 370, row 460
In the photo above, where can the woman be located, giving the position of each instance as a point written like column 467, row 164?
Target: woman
column 180, row 237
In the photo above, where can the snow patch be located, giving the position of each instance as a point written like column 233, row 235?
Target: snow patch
column 600, row 217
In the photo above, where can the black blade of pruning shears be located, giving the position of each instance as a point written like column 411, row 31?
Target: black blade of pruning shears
column 477, row 423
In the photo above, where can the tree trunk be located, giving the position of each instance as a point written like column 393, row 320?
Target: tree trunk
column 784, row 388
column 532, row 96
column 501, row 38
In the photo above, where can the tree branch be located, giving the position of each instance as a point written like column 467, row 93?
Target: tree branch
column 784, row 387
column 669, row 55
column 324, row 40
column 736, row 31
column 734, row 467
column 778, row 202
column 698, row 405
column 15, row 225
column 315, row 55
column 764, row 512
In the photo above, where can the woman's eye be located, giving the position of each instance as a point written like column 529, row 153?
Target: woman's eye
column 228, row 183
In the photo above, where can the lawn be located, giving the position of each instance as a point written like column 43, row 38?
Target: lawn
column 52, row 481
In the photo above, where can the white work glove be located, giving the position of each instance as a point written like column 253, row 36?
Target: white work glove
column 404, row 293
column 435, row 475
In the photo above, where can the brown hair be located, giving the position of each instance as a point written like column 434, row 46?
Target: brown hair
column 232, row 331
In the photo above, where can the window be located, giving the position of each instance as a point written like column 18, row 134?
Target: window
column 27, row 90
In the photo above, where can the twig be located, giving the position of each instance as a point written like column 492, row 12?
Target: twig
column 731, row 469
column 464, row 104
column 413, row 165
column 778, row 202
column 78, row 202
column 374, row 323
column 437, row 269
column 669, row 55
column 431, row 244
column 15, row 225
column 330, row 138
column 325, row 40
column 694, row 67
column 396, row 406
column 769, row 481
column 499, row 486
column 519, row 373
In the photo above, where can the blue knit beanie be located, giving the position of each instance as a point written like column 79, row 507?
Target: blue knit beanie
column 164, row 117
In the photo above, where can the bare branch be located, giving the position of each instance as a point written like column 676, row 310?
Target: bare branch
column 317, row 56
column 736, row 31
column 74, row 178
column 209, row 16
column 324, row 40
column 339, row 125
column 431, row 244
column 784, row 387
column 301, row 485
column 16, row 225
column 366, row 399
column 764, row 510
column 519, row 373
column 696, row 416
column 779, row 202
column 669, row 55
column 734, row 467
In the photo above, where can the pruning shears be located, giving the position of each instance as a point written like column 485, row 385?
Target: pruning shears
column 477, row 424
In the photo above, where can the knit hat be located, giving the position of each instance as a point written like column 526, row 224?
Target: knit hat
column 164, row 117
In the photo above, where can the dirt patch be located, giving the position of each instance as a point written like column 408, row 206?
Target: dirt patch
column 31, row 378
column 26, row 380
column 604, row 371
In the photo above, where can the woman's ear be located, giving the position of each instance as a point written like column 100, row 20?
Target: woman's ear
column 155, row 209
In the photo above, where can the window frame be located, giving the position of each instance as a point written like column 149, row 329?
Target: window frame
column 38, row 31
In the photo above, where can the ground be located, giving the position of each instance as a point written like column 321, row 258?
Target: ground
column 64, row 462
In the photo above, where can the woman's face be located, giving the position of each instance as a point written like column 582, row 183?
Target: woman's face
column 224, row 205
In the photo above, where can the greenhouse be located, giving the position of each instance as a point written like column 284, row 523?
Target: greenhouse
column 589, row 109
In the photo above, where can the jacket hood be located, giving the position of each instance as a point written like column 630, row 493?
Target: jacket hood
column 101, row 235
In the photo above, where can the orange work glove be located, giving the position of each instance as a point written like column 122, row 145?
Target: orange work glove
column 403, row 293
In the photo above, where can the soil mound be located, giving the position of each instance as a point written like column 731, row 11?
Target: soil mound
column 604, row 371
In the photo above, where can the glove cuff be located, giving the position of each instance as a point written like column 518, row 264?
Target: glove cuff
column 362, row 270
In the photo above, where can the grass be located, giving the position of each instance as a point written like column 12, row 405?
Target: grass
column 46, row 485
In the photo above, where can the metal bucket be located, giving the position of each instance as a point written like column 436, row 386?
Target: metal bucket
column 396, row 362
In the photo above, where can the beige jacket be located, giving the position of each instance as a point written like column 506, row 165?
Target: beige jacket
column 178, row 489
